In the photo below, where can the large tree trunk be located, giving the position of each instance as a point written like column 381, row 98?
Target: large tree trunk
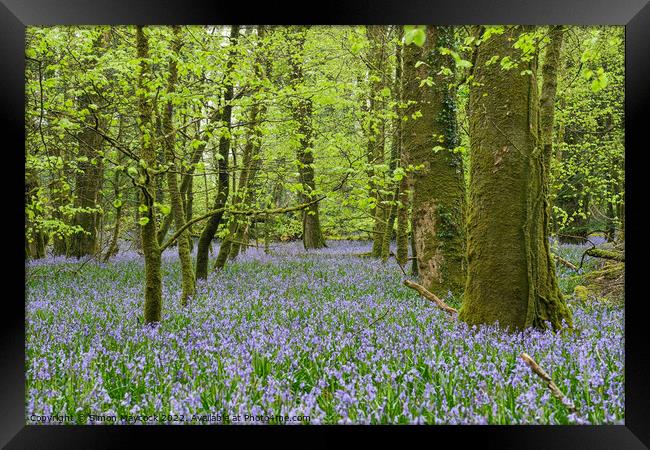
column 224, row 146
column 439, row 197
column 150, row 247
column 312, row 235
column 511, row 274
column 177, row 211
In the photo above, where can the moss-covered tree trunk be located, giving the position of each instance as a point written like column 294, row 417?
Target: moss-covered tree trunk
column 213, row 222
column 403, row 197
column 511, row 274
column 550, row 69
column 312, row 235
column 150, row 247
column 439, row 197
column 177, row 211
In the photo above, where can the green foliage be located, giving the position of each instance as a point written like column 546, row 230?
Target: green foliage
column 72, row 85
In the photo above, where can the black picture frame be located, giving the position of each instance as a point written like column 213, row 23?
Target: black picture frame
column 15, row 15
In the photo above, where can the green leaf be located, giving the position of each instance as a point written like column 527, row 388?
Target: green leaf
column 117, row 203
column 419, row 37
column 143, row 221
column 143, row 208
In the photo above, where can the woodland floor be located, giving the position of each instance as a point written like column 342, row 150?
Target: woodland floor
column 329, row 335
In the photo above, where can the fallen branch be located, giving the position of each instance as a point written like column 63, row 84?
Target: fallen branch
column 547, row 378
column 606, row 254
column 566, row 263
column 430, row 296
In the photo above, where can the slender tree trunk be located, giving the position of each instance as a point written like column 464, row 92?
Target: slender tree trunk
column 113, row 247
column 312, row 235
column 511, row 274
column 224, row 146
column 137, row 235
column 439, row 197
column 403, row 216
column 237, row 199
column 415, row 270
column 150, row 247
column 186, row 192
column 547, row 112
column 237, row 229
column 90, row 173
column 378, row 60
column 189, row 207
column 396, row 151
column 177, row 211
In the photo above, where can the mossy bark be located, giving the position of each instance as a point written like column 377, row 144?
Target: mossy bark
column 187, row 273
column 312, row 235
column 439, row 197
column 150, row 247
column 550, row 69
column 512, row 277
column 213, row 222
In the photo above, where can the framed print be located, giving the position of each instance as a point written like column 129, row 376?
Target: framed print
column 395, row 221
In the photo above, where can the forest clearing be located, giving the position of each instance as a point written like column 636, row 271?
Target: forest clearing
column 325, row 225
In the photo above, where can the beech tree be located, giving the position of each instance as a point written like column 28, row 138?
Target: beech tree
column 146, row 181
column 431, row 133
column 312, row 235
column 511, row 276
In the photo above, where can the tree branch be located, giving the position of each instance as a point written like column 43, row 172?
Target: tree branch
column 430, row 296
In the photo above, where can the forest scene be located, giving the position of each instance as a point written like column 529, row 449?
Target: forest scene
column 382, row 224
